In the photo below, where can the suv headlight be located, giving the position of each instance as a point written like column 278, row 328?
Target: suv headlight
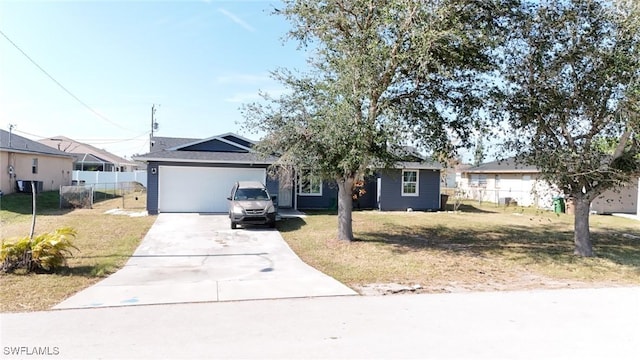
column 270, row 208
column 237, row 209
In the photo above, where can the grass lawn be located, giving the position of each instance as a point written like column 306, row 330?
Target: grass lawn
column 477, row 249
column 105, row 243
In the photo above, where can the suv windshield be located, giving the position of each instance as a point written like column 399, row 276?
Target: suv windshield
column 251, row 194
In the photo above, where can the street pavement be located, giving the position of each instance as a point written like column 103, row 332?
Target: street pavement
column 197, row 258
column 551, row 324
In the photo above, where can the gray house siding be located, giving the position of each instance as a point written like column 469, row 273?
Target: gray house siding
column 369, row 199
column 152, row 180
column 272, row 185
column 214, row 146
column 328, row 200
column 391, row 198
column 238, row 140
column 152, row 187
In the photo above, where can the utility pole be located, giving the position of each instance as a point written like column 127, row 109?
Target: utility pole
column 154, row 126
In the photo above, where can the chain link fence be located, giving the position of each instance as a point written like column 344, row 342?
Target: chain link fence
column 85, row 196
column 499, row 197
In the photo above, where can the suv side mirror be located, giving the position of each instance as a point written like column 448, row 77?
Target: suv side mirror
column 229, row 198
column 274, row 198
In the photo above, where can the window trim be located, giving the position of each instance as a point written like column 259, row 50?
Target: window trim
column 308, row 175
column 403, row 182
column 478, row 180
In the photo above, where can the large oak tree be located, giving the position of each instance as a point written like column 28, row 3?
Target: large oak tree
column 572, row 71
column 383, row 74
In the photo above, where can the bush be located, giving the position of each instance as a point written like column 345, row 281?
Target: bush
column 44, row 253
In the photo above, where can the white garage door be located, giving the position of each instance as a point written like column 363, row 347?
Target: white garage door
column 200, row 189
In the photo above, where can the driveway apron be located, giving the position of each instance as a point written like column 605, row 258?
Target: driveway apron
column 197, row 258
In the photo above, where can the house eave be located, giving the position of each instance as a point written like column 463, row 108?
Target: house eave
column 203, row 161
column 29, row 152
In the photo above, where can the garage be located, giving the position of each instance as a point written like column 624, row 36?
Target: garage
column 200, row 189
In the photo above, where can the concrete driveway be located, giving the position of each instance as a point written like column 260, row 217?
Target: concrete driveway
column 187, row 258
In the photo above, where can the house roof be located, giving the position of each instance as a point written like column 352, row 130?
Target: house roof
column 16, row 143
column 163, row 143
column 509, row 165
column 68, row 145
column 88, row 159
column 232, row 149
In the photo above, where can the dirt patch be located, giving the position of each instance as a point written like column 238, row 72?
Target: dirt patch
column 525, row 282
column 130, row 213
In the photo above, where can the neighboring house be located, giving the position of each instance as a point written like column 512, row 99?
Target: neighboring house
column 506, row 182
column 622, row 200
column 503, row 181
column 90, row 158
column 196, row 175
column 452, row 175
column 23, row 160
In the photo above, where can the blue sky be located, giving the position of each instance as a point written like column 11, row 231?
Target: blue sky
column 199, row 60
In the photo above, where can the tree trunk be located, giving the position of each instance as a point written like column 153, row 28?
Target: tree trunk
column 345, row 207
column 582, row 237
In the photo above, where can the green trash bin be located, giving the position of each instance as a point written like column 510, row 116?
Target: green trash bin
column 558, row 205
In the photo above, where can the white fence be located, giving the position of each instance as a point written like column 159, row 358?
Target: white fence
column 543, row 200
column 102, row 177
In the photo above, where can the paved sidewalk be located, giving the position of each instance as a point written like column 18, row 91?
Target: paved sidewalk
column 554, row 324
column 197, row 258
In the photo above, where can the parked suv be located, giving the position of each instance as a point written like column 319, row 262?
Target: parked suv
column 250, row 203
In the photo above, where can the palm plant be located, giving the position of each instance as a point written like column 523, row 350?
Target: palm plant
column 43, row 253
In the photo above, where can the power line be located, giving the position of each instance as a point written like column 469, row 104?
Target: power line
column 62, row 86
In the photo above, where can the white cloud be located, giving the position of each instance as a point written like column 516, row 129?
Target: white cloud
column 237, row 20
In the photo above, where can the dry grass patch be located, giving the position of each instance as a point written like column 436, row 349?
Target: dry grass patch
column 480, row 248
column 105, row 243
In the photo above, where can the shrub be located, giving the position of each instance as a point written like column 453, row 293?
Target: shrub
column 43, row 253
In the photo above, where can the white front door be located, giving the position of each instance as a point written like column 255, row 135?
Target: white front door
column 285, row 196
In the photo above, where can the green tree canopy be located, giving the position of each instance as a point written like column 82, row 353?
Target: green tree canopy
column 572, row 71
column 384, row 74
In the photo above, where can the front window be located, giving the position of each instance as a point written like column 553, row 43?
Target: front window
column 34, row 166
column 479, row 180
column 309, row 184
column 410, row 183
